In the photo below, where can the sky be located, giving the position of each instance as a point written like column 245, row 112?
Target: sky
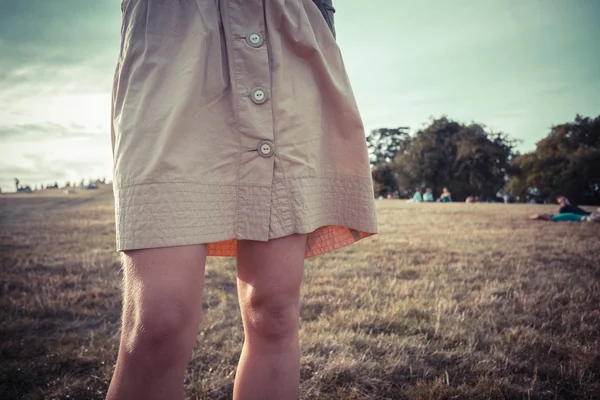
column 517, row 66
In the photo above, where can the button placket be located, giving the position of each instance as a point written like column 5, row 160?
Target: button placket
column 259, row 95
column 251, row 81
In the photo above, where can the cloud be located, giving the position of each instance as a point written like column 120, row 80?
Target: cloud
column 52, row 172
column 69, row 159
column 48, row 152
column 56, row 42
column 49, row 130
column 59, row 32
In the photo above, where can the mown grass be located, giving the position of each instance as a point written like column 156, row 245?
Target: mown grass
column 449, row 301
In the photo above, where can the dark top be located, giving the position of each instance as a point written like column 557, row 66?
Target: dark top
column 570, row 208
column 327, row 9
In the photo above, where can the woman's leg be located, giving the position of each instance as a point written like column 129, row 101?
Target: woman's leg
column 269, row 278
column 162, row 305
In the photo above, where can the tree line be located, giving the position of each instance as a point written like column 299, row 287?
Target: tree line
column 471, row 160
column 26, row 188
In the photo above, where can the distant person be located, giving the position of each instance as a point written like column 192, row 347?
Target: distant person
column 417, row 197
column 568, row 217
column 567, row 207
column 446, row 196
column 470, row 199
column 428, row 196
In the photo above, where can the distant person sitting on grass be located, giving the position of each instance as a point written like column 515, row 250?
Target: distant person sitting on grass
column 446, row 197
column 417, row 198
column 428, row 196
column 568, row 217
column 567, row 207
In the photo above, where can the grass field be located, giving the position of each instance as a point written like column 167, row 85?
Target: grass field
column 449, row 301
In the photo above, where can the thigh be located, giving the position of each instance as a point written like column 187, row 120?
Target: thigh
column 272, row 269
column 164, row 278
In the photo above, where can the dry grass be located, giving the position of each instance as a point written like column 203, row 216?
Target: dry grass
column 450, row 301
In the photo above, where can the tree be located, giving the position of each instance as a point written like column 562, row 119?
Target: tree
column 384, row 180
column 566, row 162
column 465, row 158
column 384, row 143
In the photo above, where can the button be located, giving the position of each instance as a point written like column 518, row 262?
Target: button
column 259, row 95
column 254, row 39
column 266, row 148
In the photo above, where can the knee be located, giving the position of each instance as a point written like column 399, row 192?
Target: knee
column 274, row 318
column 158, row 328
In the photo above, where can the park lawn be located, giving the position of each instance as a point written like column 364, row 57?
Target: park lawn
column 449, row 301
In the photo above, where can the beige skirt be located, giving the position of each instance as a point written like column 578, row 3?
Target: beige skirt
column 235, row 120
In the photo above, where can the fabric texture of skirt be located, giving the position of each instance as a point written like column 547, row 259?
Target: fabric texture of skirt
column 235, row 120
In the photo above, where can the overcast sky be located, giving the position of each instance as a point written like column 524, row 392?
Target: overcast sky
column 518, row 66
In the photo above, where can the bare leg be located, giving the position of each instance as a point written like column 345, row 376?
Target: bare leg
column 162, row 305
column 269, row 278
